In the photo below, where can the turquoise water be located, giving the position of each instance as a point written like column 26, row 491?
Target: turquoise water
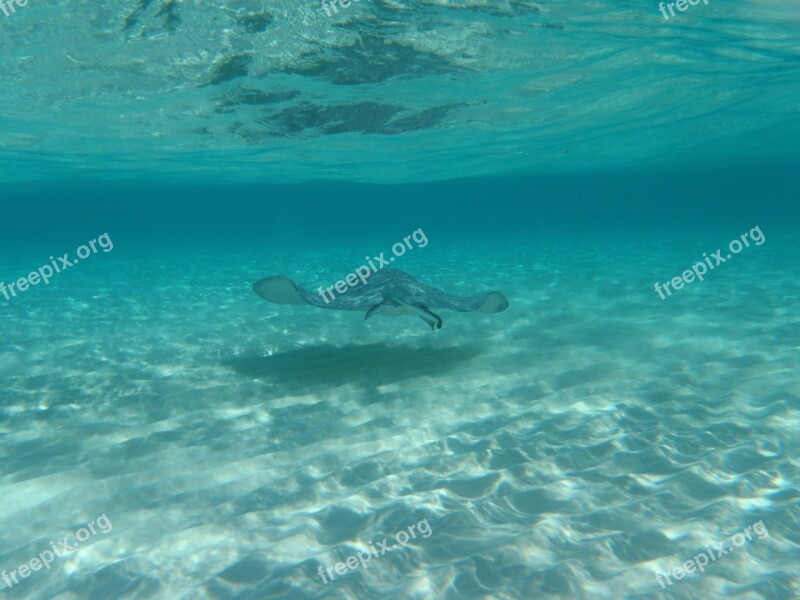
column 167, row 433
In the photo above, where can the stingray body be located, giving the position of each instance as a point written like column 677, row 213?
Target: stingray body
column 389, row 292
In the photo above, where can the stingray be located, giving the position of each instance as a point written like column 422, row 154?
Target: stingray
column 389, row 292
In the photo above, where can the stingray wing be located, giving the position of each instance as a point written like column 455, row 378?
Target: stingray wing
column 425, row 295
column 492, row 302
column 282, row 290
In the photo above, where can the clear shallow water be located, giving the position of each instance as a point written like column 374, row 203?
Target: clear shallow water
column 574, row 445
column 570, row 156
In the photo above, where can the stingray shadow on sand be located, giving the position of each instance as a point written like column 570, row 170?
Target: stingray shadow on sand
column 313, row 368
